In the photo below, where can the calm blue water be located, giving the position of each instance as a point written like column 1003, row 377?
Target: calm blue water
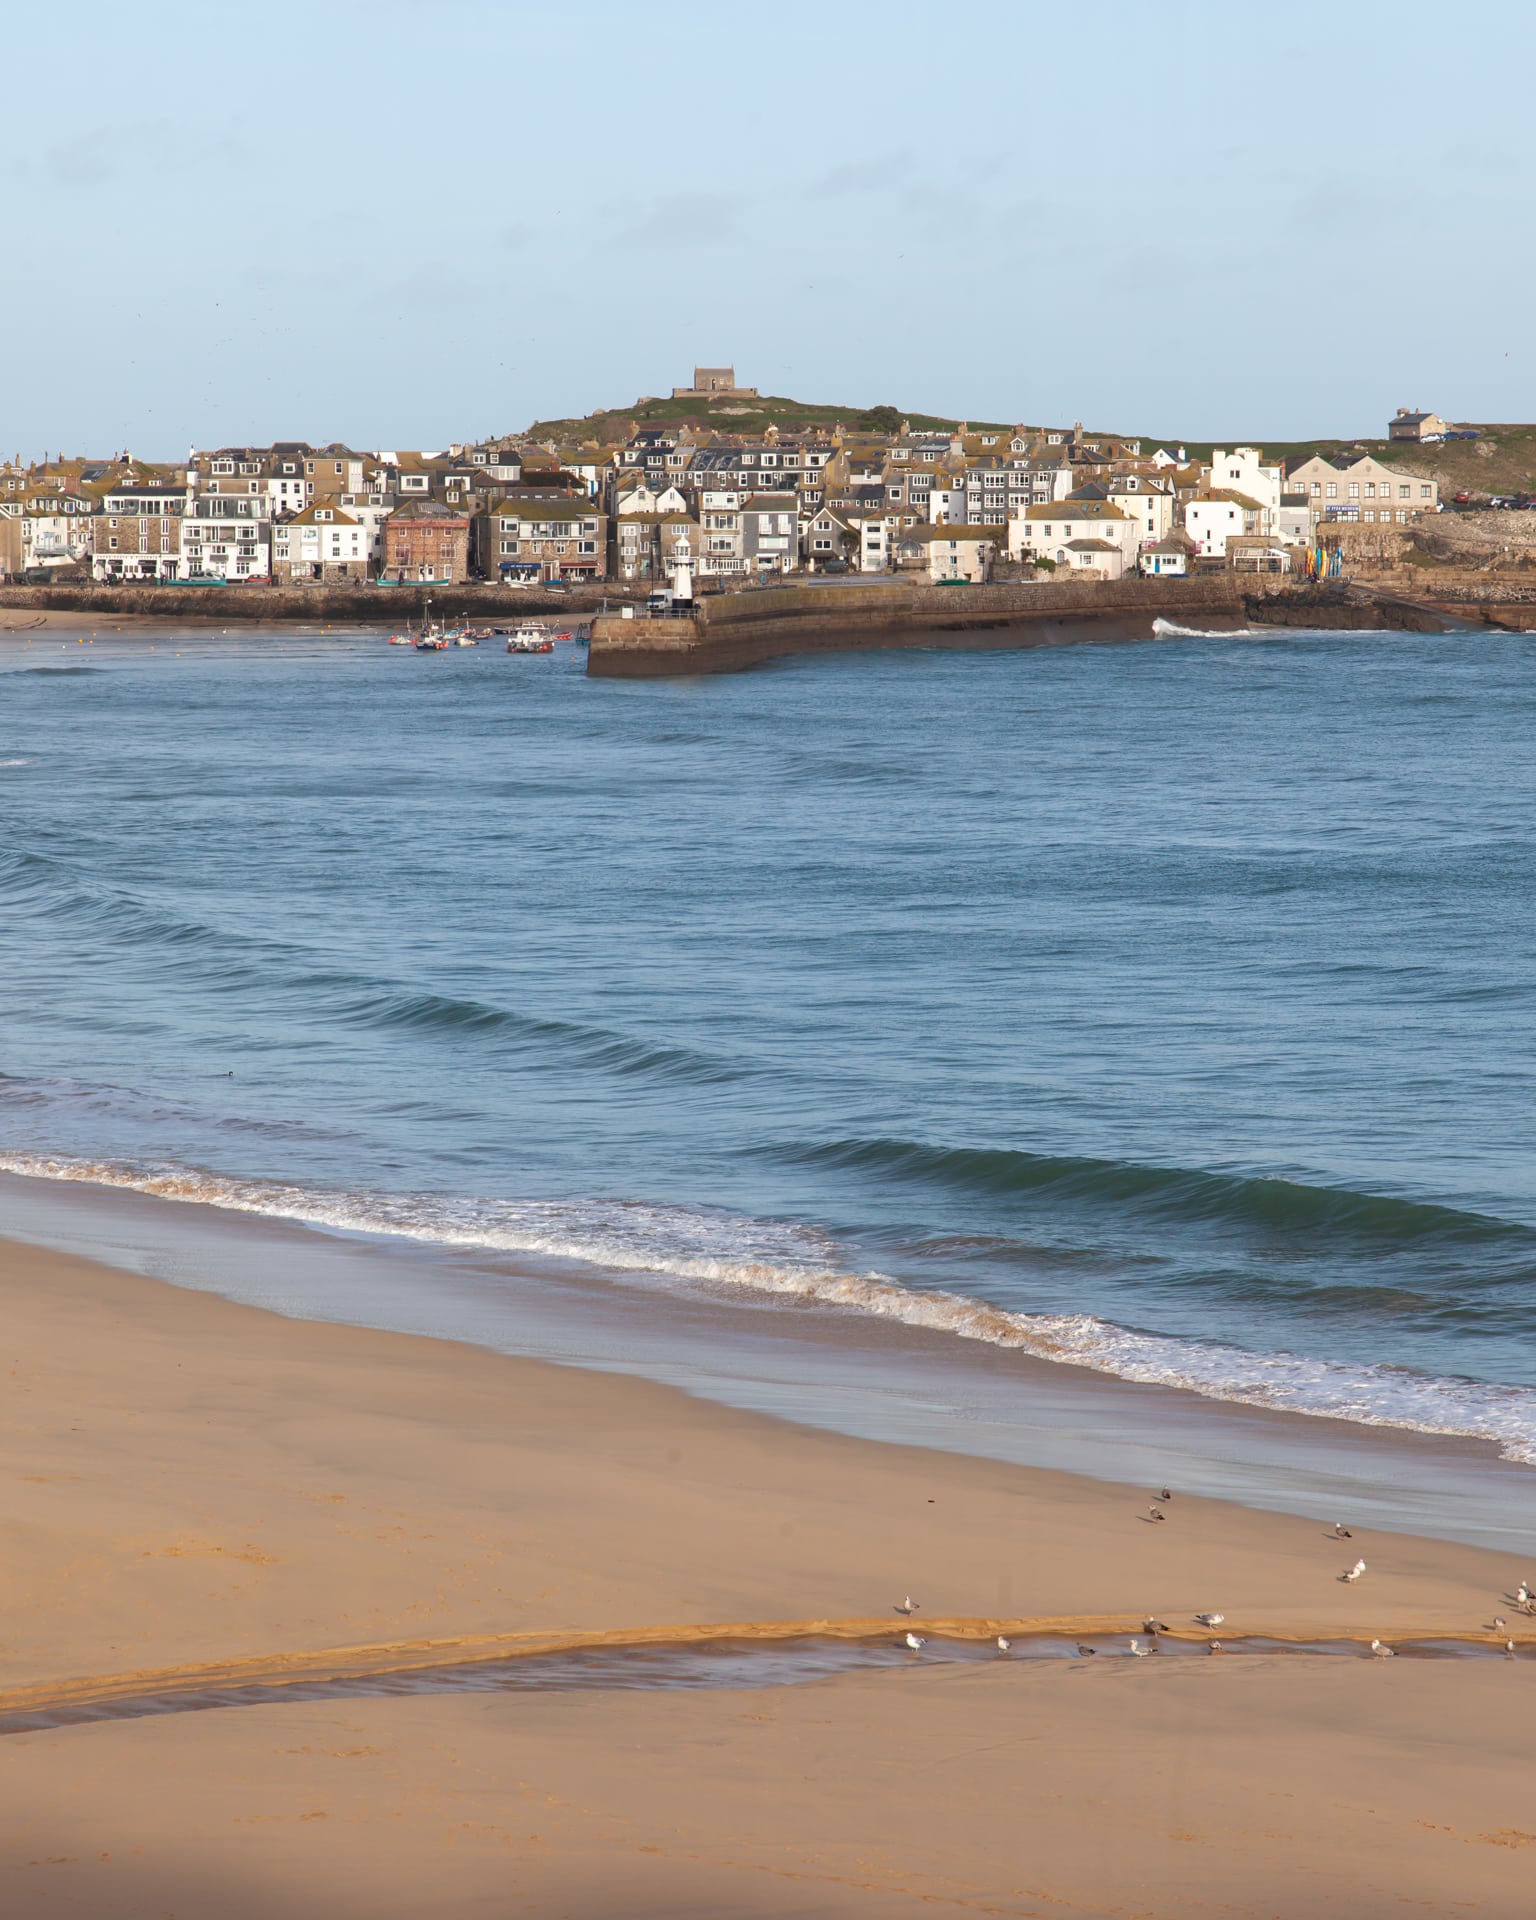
column 1167, row 1008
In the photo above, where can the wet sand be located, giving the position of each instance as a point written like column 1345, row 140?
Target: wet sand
column 194, row 1481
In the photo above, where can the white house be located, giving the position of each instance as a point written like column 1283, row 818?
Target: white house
column 324, row 543
column 666, row 499
column 956, row 553
column 1146, row 501
column 1213, row 518
column 1046, row 532
column 1243, row 471
column 1106, row 558
column 1165, row 557
column 226, row 537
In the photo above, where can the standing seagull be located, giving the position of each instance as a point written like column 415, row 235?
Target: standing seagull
column 1498, row 1624
column 1003, row 1643
column 1166, row 1494
column 1153, row 1626
column 1086, row 1651
column 1138, row 1649
column 1210, row 1619
column 1523, row 1593
column 1341, row 1532
column 1353, row 1574
column 1380, row 1651
column 1215, row 1647
column 1156, row 1513
column 909, row 1605
column 1509, row 1649
column 916, row 1642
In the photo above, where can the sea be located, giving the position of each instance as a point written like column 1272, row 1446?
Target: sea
column 898, row 1039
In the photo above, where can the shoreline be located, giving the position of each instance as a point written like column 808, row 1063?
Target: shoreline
column 1275, row 1572
column 198, row 1484
column 863, row 1378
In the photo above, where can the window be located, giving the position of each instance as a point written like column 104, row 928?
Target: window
column 1426, row 493
column 1317, row 486
column 1354, row 489
column 1370, row 490
column 1333, row 489
column 1405, row 492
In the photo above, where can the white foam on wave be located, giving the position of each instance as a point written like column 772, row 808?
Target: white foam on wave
column 15, row 763
column 720, row 1250
column 1170, row 629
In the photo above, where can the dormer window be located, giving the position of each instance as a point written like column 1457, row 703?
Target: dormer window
column 324, row 513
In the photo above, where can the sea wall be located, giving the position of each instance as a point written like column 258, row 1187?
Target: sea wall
column 372, row 606
column 731, row 631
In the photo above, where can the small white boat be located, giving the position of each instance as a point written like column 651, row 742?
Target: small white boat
column 529, row 638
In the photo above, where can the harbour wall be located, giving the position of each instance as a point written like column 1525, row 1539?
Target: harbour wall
column 729, row 632
column 379, row 607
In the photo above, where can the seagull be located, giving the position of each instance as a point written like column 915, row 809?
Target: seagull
column 1085, row 1651
column 1153, row 1626
column 909, row 1605
column 916, row 1642
column 1166, row 1494
column 1353, row 1574
column 1138, row 1649
column 1498, row 1624
column 1003, row 1643
column 1156, row 1513
column 1380, row 1651
column 1210, row 1619
column 1523, row 1592
column 1341, row 1532
column 1215, row 1647
column 1509, row 1649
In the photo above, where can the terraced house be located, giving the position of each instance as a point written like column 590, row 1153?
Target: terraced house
column 324, row 544
column 426, row 543
column 226, row 537
column 541, row 540
column 137, row 534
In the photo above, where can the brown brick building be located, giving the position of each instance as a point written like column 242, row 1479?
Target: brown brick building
column 426, row 542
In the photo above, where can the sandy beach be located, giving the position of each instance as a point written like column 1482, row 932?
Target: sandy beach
column 197, row 1484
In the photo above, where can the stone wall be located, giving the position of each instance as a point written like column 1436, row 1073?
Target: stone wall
column 731, row 631
column 368, row 605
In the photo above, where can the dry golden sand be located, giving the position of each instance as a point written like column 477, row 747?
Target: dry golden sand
column 187, row 1481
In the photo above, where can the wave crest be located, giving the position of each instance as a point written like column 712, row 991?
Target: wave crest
column 725, row 1251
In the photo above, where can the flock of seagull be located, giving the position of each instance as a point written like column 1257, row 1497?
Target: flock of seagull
column 1524, row 1599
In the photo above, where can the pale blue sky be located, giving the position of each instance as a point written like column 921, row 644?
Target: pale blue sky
column 400, row 222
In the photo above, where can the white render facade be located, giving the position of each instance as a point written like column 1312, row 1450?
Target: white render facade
column 1243, row 471
column 226, row 538
column 324, row 543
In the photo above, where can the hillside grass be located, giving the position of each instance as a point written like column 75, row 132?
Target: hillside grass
column 730, row 414
column 1502, row 461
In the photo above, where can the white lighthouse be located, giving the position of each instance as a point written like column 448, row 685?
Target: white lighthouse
column 682, row 571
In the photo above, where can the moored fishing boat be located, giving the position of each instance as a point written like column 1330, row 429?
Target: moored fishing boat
column 529, row 638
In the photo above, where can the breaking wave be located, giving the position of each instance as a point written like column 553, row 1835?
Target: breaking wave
column 733, row 1255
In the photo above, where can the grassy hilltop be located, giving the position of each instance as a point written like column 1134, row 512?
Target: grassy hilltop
column 731, row 413
column 1503, row 460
